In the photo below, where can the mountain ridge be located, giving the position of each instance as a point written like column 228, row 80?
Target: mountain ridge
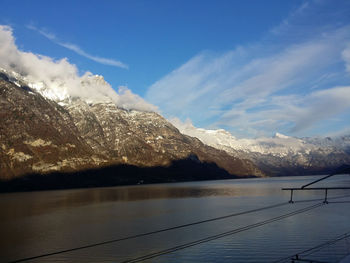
column 45, row 135
column 55, row 131
column 281, row 154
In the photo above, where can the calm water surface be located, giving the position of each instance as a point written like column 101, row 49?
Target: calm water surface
column 36, row 223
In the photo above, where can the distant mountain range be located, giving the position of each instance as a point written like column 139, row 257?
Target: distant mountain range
column 281, row 154
column 45, row 129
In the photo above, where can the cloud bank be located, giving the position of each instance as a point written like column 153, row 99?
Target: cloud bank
column 78, row 50
column 294, row 82
column 58, row 79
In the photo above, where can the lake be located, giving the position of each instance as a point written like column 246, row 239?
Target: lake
column 37, row 223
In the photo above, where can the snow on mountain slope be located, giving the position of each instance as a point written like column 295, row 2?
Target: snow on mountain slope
column 90, row 88
column 280, row 152
column 280, row 145
column 59, row 80
column 42, row 135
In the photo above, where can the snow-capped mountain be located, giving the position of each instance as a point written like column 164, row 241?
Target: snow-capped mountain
column 281, row 154
column 50, row 128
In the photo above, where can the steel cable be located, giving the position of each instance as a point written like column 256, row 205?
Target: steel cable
column 148, row 233
column 224, row 234
column 165, row 229
column 316, row 248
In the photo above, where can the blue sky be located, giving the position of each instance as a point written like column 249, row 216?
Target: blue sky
column 251, row 67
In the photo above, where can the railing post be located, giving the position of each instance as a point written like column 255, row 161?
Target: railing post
column 296, row 257
column 325, row 197
column 291, row 197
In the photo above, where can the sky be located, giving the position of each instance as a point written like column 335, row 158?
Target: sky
column 253, row 68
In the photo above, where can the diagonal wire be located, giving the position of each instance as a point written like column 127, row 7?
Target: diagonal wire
column 317, row 248
column 224, row 234
column 166, row 229
column 149, row 233
column 331, row 242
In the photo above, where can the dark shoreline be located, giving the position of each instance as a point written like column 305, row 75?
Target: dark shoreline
column 186, row 170
column 119, row 175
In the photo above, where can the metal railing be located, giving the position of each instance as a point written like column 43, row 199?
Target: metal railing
column 342, row 170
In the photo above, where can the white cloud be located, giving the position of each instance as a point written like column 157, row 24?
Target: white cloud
column 298, row 112
column 128, row 100
column 59, row 79
column 322, row 105
column 275, row 85
column 78, row 50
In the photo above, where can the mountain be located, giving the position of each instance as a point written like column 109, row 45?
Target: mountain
column 46, row 129
column 281, row 154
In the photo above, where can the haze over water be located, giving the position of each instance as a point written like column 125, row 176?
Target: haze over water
column 42, row 222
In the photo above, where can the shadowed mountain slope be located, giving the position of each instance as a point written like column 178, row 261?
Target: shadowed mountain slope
column 39, row 135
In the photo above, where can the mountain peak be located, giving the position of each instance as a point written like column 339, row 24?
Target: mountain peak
column 73, row 135
column 280, row 136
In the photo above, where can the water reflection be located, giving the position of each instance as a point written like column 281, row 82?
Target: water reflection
column 43, row 202
column 36, row 203
column 37, row 222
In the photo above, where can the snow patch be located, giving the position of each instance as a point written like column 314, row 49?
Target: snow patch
column 19, row 156
column 281, row 136
column 279, row 145
column 60, row 80
column 39, row 143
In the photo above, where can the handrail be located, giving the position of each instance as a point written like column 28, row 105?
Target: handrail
column 316, row 188
column 318, row 180
column 340, row 170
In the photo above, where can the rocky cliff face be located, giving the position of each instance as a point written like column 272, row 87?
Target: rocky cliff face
column 41, row 135
column 37, row 135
